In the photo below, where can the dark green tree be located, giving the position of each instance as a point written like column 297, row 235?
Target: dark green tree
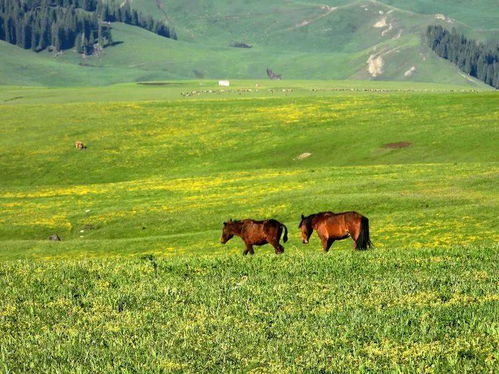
column 474, row 58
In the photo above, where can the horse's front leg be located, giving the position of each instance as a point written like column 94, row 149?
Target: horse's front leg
column 330, row 242
column 326, row 242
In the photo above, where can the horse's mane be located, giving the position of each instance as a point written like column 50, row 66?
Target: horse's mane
column 236, row 223
column 327, row 212
column 307, row 218
column 312, row 216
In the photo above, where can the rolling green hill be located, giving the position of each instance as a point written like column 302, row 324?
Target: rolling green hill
column 189, row 155
column 140, row 281
column 298, row 39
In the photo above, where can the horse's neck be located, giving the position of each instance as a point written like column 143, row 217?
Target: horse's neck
column 314, row 220
column 237, row 228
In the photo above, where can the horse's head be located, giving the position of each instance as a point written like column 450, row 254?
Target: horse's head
column 306, row 229
column 227, row 232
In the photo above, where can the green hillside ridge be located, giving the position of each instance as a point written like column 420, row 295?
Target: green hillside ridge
column 272, row 23
column 301, row 40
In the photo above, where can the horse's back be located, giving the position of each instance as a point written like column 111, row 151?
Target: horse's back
column 272, row 229
column 251, row 225
column 341, row 224
column 350, row 215
column 272, row 223
column 261, row 232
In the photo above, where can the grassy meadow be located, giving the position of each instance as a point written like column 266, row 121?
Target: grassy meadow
column 140, row 282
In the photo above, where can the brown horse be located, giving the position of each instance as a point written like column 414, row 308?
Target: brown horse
column 336, row 226
column 256, row 233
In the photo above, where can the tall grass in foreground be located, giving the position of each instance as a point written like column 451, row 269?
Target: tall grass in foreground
column 424, row 310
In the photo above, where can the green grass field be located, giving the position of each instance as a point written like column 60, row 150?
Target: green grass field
column 140, row 282
column 200, row 89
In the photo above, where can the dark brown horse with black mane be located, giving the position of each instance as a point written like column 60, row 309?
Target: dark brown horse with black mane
column 256, row 233
column 336, row 226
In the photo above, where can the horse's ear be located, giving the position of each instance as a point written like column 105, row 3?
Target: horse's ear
column 225, row 223
column 302, row 216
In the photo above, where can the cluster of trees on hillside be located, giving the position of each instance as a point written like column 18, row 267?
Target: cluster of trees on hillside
column 62, row 24
column 476, row 59
column 66, row 24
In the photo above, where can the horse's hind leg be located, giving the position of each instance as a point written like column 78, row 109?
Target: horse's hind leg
column 354, row 234
column 249, row 249
column 278, row 248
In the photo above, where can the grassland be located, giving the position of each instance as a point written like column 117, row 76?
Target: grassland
column 139, row 282
column 173, row 90
column 416, row 311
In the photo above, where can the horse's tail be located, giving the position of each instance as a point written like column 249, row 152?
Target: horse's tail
column 285, row 237
column 363, row 241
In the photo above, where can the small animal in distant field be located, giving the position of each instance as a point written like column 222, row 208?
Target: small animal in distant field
column 55, row 237
column 80, row 145
column 336, row 226
column 256, row 233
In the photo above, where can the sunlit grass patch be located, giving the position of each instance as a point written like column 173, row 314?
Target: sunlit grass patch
column 267, row 313
column 415, row 205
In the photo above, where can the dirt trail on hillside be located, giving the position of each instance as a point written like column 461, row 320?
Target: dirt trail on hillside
column 328, row 10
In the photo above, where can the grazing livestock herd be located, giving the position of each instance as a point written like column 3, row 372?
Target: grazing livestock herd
column 328, row 225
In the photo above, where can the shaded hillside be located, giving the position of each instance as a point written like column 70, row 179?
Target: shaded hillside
column 300, row 40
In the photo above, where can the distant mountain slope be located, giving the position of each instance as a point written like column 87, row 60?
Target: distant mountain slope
column 263, row 19
column 476, row 14
column 340, row 39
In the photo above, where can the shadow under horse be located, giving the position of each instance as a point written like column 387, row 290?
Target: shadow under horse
column 336, row 226
column 256, row 233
